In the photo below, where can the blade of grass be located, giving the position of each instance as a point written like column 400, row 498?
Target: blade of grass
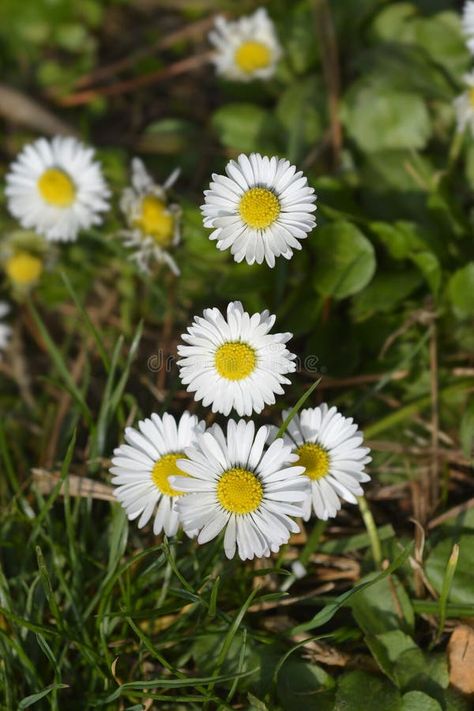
column 445, row 590
column 87, row 320
column 297, row 408
column 328, row 612
column 60, row 365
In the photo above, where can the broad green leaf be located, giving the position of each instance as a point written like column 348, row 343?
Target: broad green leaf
column 301, row 109
column 345, row 260
column 461, row 291
column 361, row 691
column 382, row 607
column 300, row 684
column 462, row 589
column 418, row 701
column 379, row 118
column 245, row 127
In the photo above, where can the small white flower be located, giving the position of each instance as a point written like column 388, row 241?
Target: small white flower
column 5, row 330
column 261, row 209
column 233, row 484
column 247, row 48
column 468, row 24
column 235, row 362
column 153, row 224
column 142, row 468
column 329, row 447
column 464, row 105
column 56, row 188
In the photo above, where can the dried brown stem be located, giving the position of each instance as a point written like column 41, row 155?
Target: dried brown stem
column 182, row 67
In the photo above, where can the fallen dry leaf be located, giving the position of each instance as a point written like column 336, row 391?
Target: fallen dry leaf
column 461, row 659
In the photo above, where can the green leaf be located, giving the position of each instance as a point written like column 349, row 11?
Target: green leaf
column 328, row 612
column 466, row 431
column 379, row 118
column 345, row 260
column 382, row 607
column 30, row 700
column 299, row 683
column 418, row 701
column 300, row 110
column 461, row 291
column 245, row 127
column 462, row 589
column 360, row 691
column 385, row 292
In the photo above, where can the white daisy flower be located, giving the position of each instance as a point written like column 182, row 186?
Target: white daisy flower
column 464, row 105
column 329, row 447
column 5, row 330
column 247, row 48
column 153, row 224
column 235, row 362
column 261, row 208
column 142, row 468
column 56, row 188
column 468, row 24
column 233, row 484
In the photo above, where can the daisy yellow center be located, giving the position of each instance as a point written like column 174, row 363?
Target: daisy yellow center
column 471, row 96
column 56, row 188
column 23, row 268
column 252, row 56
column 314, row 458
column 259, row 208
column 164, row 468
column 235, row 360
column 239, row 491
column 155, row 220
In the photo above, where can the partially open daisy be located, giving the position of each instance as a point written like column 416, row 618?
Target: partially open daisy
column 5, row 330
column 464, row 105
column 247, row 48
column 329, row 447
column 233, row 484
column 153, row 223
column 235, row 362
column 56, row 188
column 22, row 256
column 261, row 209
column 468, row 24
column 142, row 467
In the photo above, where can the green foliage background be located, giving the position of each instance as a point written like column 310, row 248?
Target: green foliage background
column 388, row 272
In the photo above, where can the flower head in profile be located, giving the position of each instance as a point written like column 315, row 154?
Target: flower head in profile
column 143, row 466
column 468, row 24
column 233, row 484
column 261, row 209
column 23, row 256
column 464, row 105
column 153, row 223
column 235, row 362
column 329, row 448
column 5, row 330
column 56, row 188
column 247, row 48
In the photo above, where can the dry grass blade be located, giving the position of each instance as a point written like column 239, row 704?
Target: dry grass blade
column 77, row 486
column 18, row 108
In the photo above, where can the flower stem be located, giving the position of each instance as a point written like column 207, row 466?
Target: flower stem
column 369, row 522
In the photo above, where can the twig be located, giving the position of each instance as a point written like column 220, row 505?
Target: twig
column 24, row 111
column 79, row 486
column 192, row 31
column 330, row 61
column 123, row 87
column 434, row 493
column 452, row 513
